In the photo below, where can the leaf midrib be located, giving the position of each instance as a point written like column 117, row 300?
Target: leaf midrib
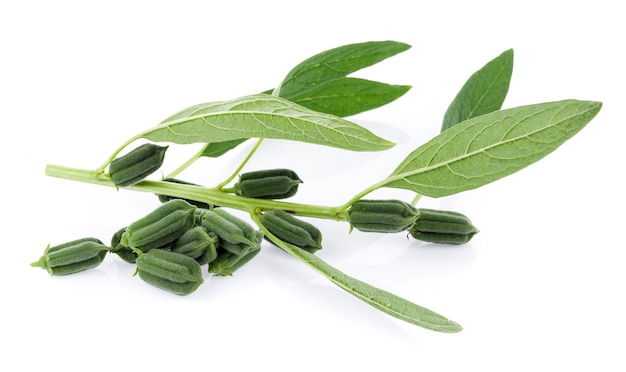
column 482, row 97
column 205, row 117
column 404, row 175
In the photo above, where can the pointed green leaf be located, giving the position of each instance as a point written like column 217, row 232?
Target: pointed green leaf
column 334, row 64
column 484, row 91
column 263, row 116
column 489, row 147
column 319, row 83
column 348, row 96
column 384, row 301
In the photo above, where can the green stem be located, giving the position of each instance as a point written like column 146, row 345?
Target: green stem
column 110, row 159
column 366, row 191
column 243, row 164
column 208, row 195
column 186, row 164
column 373, row 188
column 416, row 199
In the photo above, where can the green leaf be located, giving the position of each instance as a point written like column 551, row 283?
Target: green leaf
column 330, row 68
column 489, row 147
column 348, row 96
column 320, row 83
column 263, row 116
column 484, row 91
column 217, row 149
column 384, row 301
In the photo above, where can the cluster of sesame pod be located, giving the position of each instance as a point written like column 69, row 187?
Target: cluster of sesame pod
column 204, row 236
column 429, row 225
column 170, row 245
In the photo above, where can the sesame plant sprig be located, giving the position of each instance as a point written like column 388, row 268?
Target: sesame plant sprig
column 480, row 142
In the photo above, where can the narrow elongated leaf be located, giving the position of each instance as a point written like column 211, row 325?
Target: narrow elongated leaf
column 335, row 64
column 488, row 147
column 484, row 91
column 348, row 96
column 384, row 301
column 263, row 116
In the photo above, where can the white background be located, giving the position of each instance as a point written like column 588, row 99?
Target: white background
column 541, row 287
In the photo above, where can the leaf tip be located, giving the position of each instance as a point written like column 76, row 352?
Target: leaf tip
column 592, row 107
column 389, row 145
column 448, row 326
column 453, row 327
column 402, row 46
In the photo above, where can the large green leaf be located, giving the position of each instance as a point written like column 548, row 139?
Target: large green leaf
column 263, row 116
column 488, row 147
column 484, row 91
column 320, row 83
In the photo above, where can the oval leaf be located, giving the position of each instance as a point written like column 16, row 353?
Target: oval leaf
column 484, row 91
column 489, row 147
column 263, row 116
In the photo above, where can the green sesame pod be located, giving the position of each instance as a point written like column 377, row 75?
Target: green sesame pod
column 292, row 230
column 440, row 215
column 210, row 253
column 193, row 243
column 136, row 165
column 444, row 227
column 383, row 216
column 72, row 257
column 268, row 184
column 227, row 227
column 198, row 214
column 235, row 248
column 241, row 249
column 125, row 253
column 248, row 230
column 160, row 227
column 227, row 263
column 173, row 272
column 453, row 239
column 117, row 238
column 166, row 198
